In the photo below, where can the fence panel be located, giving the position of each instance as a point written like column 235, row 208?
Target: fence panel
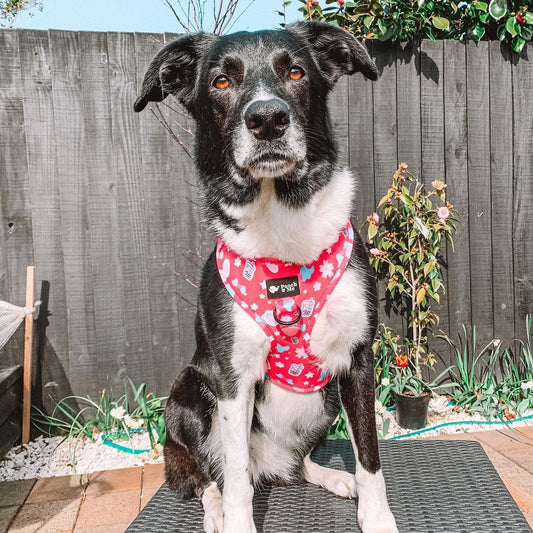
column 106, row 203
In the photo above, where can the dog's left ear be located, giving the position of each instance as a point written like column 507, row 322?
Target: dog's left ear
column 337, row 51
column 174, row 71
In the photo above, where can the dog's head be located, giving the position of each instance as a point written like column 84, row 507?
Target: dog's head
column 258, row 98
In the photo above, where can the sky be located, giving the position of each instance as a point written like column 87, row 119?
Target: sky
column 142, row 15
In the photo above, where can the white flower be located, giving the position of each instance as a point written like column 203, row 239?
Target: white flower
column 496, row 342
column 254, row 307
column 528, row 385
column 385, row 382
column 118, row 412
column 133, row 423
column 317, row 286
column 380, row 410
column 237, row 262
column 300, row 352
column 327, row 269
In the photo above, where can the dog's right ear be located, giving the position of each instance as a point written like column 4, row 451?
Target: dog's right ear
column 174, row 71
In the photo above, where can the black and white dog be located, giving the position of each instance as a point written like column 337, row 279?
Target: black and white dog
column 272, row 188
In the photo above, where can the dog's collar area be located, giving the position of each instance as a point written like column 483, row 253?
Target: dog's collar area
column 285, row 299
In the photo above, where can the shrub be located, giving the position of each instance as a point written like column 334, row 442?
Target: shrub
column 510, row 21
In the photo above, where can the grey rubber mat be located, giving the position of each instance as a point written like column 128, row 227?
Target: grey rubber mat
column 432, row 486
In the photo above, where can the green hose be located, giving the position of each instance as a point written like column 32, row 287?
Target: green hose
column 460, row 423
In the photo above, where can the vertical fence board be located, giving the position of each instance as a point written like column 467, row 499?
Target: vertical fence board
column 457, row 179
column 72, row 177
column 44, row 196
column 361, row 145
column 523, row 187
column 16, row 222
column 192, row 242
column 479, row 189
column 385, row 146
column 408, row 106
column 132, row 216
column 501, row 162
column 160, row 217
column 432, row 113
column 338, row 108
column 102, row 206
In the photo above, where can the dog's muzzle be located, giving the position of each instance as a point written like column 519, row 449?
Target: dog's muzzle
column 267, row 119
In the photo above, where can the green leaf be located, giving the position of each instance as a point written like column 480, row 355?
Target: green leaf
column 528, row 17
column 476, row 33
column 518, row 44
column 511, row 26
column 440, row 23
column 481, row 6
column 372, row 231
column 498, row 9
column 368, row 20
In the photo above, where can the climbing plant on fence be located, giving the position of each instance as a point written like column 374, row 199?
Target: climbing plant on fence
column 510, row 21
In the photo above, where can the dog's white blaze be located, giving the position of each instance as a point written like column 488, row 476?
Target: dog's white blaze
column 340, row 483
column 306, row 231
column 341, row 324
column 235, row 417
column 373, row 512
column 212, row 504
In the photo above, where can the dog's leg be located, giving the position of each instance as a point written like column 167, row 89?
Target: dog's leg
column 336, row 481
column 357, row 398
column 212, row 504
column 235, row 418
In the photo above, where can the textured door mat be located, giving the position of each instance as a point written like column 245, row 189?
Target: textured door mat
column 432, row 487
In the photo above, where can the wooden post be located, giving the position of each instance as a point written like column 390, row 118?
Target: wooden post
column 28, row 344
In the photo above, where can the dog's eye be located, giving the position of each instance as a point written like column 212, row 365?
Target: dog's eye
column 221, row 82
column 296, row 73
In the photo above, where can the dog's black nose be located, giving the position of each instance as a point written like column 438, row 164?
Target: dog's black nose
column 267, row 119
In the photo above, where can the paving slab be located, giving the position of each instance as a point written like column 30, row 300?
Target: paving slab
column 153, row 476
column 7, row 514
column 58, row 488
column 15, row 492
column 123, row 479
column 104, row 509
column 50, row 518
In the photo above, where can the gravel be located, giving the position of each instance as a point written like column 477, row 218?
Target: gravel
column 48, row 457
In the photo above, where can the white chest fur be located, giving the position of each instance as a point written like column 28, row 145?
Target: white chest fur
column 271, row 229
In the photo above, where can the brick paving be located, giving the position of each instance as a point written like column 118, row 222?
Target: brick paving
column 109, row 501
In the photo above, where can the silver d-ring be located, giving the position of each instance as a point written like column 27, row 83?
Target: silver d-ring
column 282, row 323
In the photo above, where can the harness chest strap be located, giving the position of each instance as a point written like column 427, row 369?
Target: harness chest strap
column 285, row 299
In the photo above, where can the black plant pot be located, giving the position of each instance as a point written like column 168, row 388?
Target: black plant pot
column 412, row 411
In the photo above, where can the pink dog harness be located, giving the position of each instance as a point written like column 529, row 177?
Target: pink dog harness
column 285, row 300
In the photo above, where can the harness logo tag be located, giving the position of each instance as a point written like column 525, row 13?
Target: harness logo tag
column 281, row 287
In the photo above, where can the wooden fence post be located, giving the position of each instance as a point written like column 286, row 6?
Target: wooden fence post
column 28, row 344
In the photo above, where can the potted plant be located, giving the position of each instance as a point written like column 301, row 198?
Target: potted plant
column 406, row 235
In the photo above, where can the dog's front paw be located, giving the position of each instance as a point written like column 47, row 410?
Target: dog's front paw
column 239, row 523
column 376, row 518
column 342, row 484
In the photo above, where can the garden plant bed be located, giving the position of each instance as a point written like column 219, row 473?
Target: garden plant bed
column 48, row 457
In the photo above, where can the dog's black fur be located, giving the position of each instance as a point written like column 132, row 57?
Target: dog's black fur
column 189, row 68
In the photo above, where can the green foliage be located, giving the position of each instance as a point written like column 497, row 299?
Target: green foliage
column 77, row 417
column 489, row 380
column 9, row 9
column 509, row 21
column 406, row 235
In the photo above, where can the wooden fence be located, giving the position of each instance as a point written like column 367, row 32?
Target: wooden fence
column 104, row 202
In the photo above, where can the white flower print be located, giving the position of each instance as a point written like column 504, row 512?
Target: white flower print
column 237, row 262
column 300, row 352
column 327, row 269
column 309, row 375
column 279, row 364
column 254, row 307
column 317, row 286
column 307, row 337
column 262, row 296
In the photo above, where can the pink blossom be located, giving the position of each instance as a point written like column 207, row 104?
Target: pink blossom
column 375, row 252
column 443, row 213
column 375, row 218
